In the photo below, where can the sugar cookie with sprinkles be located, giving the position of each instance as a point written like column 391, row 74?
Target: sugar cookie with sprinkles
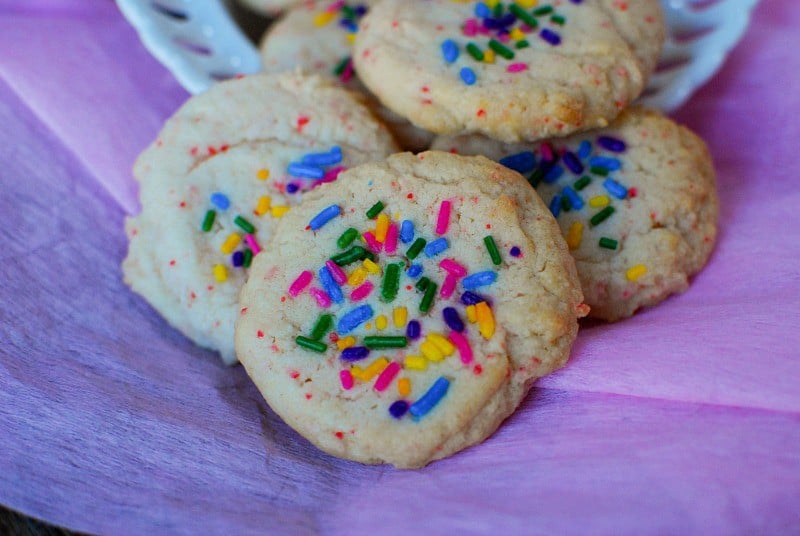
column 637, row 203
column 317, row 37
column 224, row 169
column 407, row 308
column 513, row 71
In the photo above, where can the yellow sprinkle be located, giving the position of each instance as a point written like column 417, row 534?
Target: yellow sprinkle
column 279, row 211
column 357, row 372
column 471, row 316
column 445, row 346
column 491, row 3
column 575, row 235
column 599, row 201
column 374, row 369
column 345, row 342
column 527, row 4
column 635, row 272
column 400, row 315
column 351, row 37
column 263, row 174
column 321, row 19
column 404, row 386
column 381, row 322
column 368, row 326
column 396, row 215
column 517, row 34
column 431, row 351
column 263, row 205
column 371, row 267
column 357, row 277
column 220, row 273
column 488, row 56
column 416, row 362
column 381, row 227
column 485, row 320
column 230, row 243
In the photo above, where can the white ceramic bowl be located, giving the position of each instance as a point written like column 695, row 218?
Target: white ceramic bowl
column 198, row 41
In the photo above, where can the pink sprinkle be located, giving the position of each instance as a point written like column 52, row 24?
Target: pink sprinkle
column 504, row 38
column 299, row 284
column 461, row 342
column 470, row 27
column 547, row 151
column 347, row 74
column 338, row 275
column 347, row 379
column 332, row 174
column 361, row 292
column 517, row 67
column 372, row 242
column 453, row 267
column 391, row 239
column 336, row 6
column 251, row 242
column 448, row 286
column 443, row 221
column 323, row 300
column 386, row 377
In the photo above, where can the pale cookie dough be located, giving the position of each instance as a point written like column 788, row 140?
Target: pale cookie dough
column 637, row 203
column 464, row 334
column 231, row 155
column 317, row 37
column 460, row 67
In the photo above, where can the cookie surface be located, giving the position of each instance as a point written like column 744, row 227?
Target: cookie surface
column 510, row 72
column 317, row 37
column 417, row 342
column 637, row 203
column 222, row 172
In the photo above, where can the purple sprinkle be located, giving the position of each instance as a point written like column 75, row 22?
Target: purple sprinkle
column 292, row 188
column 238, row 258
column 572, row 162
column 470, row 298
column 614, row 145
column 398, row 409
column 550, row 36
column 354, row 353
column 515, row 252
column 413, row 330
column 452, row 319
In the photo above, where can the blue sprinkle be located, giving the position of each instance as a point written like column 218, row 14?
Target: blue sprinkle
column 406, row 231
column 334, row 156
column 429, row 400
column 292, row 188
column 398, row 409
column 574, row 199
column 237, row 258
column 611, row 164
column 324, row 216
column 452, row 319
column 585, row 149
column 615, row 145
column 478, row 279
column 550, row 36
column 349, row 25
column 572, row 162
column 305, row 171
column 413, row 330
column 354, row 318
column 515, row 251
column 555, row 205
column 331, row 287
column 470, row 298
column 354, row 353
column 361, row 10
column 615, row 188
column 553, row 174
column 499, row 23
column 449, row 50
column 523, row 162
column 468, row 76
column 414, row 271
column 220, row 201
column 482, row 10
column 434, row 248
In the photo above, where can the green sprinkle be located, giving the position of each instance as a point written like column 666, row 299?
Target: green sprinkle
column 208, row 221
column 501, row 49
column 523, row 43
column 415, row 248
column 536, row 177
column 558, row 19
column 347, row 238
column 341, row 66
column 608, row 243
column 391, row 282
column 566, row 205
column 474, row 51
column 323, row 326
column 493, row 252
column 582, row 183
column 597, row 170
column 385, row 342
column 375, row 210
column 248, row 258
column 601, row 216
column 348, row 12
column 422, row 284
column 314, row 346
column 356, row 253
column 245, row 225
column 523, row 15
column 427, row 299
column 544, row 10
column 498, row 10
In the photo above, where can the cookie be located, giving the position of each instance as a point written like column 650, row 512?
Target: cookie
column 516, row 71
column 316, row 37
column 637, row 203
column 405, row 310
column 222, row 172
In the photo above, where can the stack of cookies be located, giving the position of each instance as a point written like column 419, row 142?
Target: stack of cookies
column 396, row 308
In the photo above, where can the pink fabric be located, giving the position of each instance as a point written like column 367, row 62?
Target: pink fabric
column 683, row 419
